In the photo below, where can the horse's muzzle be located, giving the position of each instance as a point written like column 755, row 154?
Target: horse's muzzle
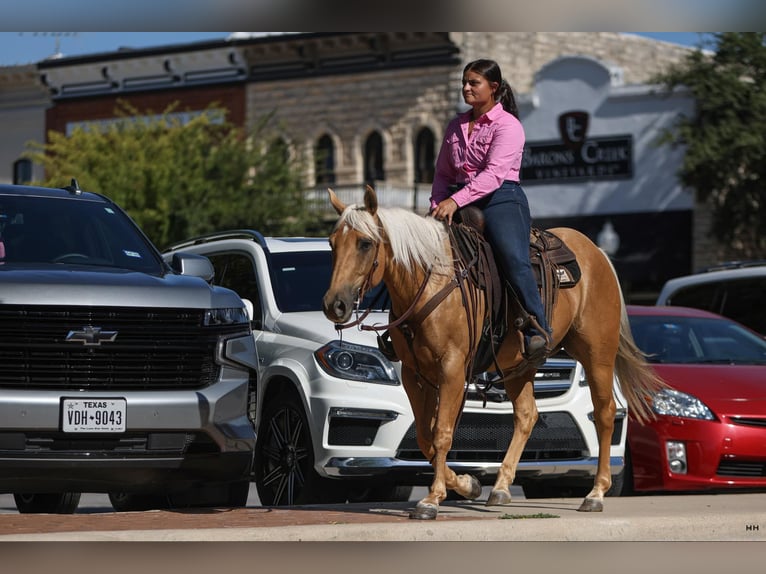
column 337, row 308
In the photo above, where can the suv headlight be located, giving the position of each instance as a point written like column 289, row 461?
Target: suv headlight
column 231, row 325
column 224, row 317
column 677, row 404
column 356, row 362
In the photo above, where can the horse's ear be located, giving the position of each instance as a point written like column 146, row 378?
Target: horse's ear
column 336, row 203
column 370, row 200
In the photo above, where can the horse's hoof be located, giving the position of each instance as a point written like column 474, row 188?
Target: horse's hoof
column 424, row 511
column 591, row 505
column 475, row 489
column 499, row 497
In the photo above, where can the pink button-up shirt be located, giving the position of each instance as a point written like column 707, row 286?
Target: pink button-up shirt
column 482, row 161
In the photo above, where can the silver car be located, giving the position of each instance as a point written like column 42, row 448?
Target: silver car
column 121, row 373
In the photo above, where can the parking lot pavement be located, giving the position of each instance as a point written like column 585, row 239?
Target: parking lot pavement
column 705, row 517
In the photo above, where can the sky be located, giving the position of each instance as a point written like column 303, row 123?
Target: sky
column 29, row 47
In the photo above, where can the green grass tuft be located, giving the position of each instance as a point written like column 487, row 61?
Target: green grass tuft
column 523, row 516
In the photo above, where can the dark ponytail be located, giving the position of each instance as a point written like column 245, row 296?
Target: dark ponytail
column 504, row 95
column 490, row 70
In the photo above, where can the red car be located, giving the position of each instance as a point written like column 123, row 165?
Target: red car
column 710, row 430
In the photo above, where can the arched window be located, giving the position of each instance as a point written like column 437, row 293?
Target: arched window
column 324, row 160
column 424, row 156
column 373, row 158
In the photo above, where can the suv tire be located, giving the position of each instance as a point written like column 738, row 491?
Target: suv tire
column 284, row 458
column 47, row 503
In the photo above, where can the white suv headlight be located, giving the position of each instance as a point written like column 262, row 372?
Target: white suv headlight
column 675, row 403
column 356, row 362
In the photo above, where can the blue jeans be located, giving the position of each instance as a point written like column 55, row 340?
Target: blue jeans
column 507, row 227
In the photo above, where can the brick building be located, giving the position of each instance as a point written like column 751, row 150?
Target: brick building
column 372, row 107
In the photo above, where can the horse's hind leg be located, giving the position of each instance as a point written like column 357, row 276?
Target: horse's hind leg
column 522, row 396
column 600, row 380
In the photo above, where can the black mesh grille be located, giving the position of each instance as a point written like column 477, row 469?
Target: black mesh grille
column 485, row 437
column 741, row 468
column 551, row 380
column 749, row 421
column 154, row 348
column 352, row 432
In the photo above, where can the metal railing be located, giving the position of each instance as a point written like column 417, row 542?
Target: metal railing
column 414, row 198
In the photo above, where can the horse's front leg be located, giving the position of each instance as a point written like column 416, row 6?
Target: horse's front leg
column 522, row 396
column 446, row 412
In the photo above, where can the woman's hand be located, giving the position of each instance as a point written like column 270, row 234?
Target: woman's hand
column 445, row 210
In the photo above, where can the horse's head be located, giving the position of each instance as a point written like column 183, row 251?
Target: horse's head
column 355, row 243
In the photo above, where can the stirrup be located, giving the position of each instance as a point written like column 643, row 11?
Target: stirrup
column 536, row 349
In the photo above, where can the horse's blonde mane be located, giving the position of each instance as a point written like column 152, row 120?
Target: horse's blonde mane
column 415, row 241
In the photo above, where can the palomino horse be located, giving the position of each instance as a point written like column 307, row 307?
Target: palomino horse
column 411, row 254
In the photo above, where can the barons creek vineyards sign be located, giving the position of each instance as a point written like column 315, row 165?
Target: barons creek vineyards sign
column 577, row 156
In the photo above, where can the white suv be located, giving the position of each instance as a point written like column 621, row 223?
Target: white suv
column 332, row 419
column 734, row 290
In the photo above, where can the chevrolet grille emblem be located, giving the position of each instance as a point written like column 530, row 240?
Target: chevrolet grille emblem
column 91, row 336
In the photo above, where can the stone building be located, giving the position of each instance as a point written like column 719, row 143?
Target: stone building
column 373, row 106
column 23, row 101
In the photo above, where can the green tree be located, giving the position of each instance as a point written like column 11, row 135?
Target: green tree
column 179, row 179
column 725, row 161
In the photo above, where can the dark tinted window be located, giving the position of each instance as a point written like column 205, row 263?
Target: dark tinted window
column 72, row 232
column 667, row 339
column 301, row 279
column 236, row 271
column 741, row 300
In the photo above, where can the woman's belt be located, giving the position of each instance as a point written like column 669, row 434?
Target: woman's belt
column 458, row 186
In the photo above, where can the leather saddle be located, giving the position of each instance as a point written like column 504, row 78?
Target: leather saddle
column 554, row 264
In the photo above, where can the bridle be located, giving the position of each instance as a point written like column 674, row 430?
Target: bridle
column 410, row 317
column 410, row 310
column 363, row 291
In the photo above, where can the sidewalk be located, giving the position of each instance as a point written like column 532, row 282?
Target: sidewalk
column 708, row 517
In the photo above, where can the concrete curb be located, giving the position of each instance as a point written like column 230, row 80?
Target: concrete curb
column 738, row 517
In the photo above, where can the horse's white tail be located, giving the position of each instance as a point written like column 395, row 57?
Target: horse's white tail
column 638, row 381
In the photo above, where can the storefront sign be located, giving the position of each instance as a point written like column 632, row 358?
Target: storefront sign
column 576, row 156
column 598, row 158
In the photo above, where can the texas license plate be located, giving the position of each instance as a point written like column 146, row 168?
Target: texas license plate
column 93, row 415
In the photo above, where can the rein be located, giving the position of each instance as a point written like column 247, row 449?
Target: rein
column 360, row 296
column 462, row 268
column 405, row 315
column 410, row 316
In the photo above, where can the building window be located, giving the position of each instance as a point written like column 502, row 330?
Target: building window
column 373, row 158
column 22, row 171
column 324, row 160
column 424, row 156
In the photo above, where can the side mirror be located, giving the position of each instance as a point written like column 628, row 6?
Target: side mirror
column 193, row 265
column 249, row 308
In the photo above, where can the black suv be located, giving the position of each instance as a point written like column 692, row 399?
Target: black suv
column 119, row 372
